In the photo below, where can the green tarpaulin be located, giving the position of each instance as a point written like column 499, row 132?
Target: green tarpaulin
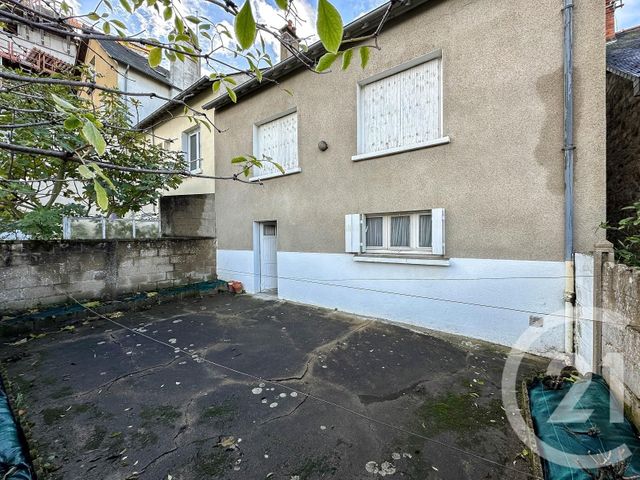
column 572, row 431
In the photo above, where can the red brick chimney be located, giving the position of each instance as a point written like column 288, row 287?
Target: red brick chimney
column 610, row 22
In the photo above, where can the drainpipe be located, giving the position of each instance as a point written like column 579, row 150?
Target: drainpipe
column 569, row 149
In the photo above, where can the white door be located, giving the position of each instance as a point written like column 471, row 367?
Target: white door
column 268, row 257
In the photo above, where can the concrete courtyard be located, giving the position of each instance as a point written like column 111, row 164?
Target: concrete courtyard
column 216, row 388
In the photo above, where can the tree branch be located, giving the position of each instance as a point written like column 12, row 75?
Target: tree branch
column 92, row 85
column 110, row 166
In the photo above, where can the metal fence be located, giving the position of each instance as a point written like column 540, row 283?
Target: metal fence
column 110, row 228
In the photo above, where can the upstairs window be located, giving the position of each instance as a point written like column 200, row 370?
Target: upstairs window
column 401, row 109
column 191, row 149
column 276, row 141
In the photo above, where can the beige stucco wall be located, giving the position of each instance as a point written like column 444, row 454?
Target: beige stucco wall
column 105, row 67
column 501, row 177
column 172, row 128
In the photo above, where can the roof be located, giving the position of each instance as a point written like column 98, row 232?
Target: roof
column 364, row 25
column 623, row 54
column 194, row 89
column 125, row 55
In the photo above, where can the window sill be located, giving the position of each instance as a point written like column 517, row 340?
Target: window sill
column 275, row 175
column 434, row 260
column 197, row 171
column 393, row 151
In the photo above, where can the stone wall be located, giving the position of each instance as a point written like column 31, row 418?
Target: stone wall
column 38, row 273
column 188, row 215
column 621, row 333
column 623, row 149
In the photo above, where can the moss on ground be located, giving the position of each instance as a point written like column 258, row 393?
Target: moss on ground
column 63, row 392
column 144, row 437
column 214, row 464
column 461, row 414
column 52, row 415
column 160, row 414
column 95, row 439
column 218, row 412
column 316, row 467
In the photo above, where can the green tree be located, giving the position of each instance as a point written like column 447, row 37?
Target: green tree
column 45, row 117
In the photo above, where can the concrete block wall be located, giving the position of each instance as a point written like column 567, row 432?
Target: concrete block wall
column 621, row 333
column 188, row 215
column 39, row 273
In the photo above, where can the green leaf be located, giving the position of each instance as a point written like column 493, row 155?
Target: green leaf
column 326, row 61
column 168, row 13
column 238, row 160
column 126, row 6
column 278, row 166
column 364, row 57
column 232, row 94
column 94, row 137
column 329, row 25
column 72, row 122
column 155, row 57
column 245, row 26
column 62, row 103
column 346, row 59
column 101, row 195
column 85, row 172
column 283, row 4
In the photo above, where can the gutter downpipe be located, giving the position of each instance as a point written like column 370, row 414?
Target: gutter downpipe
column 568, row 149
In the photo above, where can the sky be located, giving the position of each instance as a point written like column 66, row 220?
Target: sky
column 629, row 15
column 151, row 25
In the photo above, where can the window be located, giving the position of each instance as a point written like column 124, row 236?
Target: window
column 191, row 148
column 395, row 234
column 401, row 109
column 276, row 141
column 402, row 233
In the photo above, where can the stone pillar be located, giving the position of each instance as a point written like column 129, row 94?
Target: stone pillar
column 602, row 254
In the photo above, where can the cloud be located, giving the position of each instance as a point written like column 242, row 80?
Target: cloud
column 629, row 15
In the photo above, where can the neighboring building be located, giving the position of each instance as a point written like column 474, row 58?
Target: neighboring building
column 119, row 66
column 623, row 124
column 33, row 49
column 189, row 209
column 459, row 116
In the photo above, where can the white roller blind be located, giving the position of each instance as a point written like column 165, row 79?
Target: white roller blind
column 402, row 109
column 278, row 140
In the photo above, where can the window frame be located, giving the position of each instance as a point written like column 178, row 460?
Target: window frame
column 414, row 234
column 256, row 145
column 186, row 148
column 443, row 139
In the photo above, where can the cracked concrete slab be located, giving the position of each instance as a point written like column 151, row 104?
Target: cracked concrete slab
column 107, row 403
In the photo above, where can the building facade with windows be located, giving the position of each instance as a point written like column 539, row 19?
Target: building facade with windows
column 427, row 188
column 189, row 209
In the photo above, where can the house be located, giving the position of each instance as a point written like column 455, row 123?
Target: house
column 189, row 209
column 127, row 68
column 429, row 187
column 34, row 49
column 623, row 124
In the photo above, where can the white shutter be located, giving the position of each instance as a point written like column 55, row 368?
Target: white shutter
column 353, row 233
column 437, row 231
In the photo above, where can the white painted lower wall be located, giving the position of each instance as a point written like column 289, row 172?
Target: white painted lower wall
column 485, row 299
